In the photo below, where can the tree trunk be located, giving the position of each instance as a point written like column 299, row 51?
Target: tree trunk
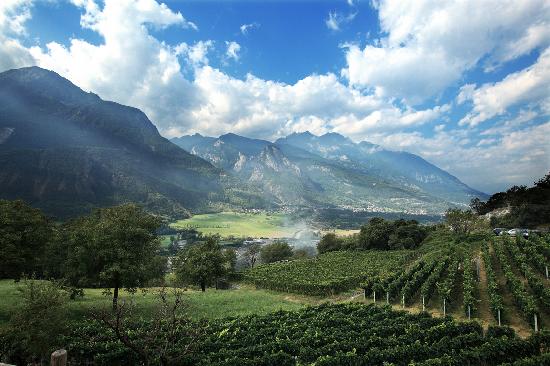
column 115, row 295
column 203, row 286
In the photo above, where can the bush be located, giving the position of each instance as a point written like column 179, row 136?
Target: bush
column 35, row 328
column 275, row 252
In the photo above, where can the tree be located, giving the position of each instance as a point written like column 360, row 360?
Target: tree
column 304, row 252
column 376, row 234
column 201, row 264
column 114, row 247
column 251, row 254
column 277, row 251
column 329, row 243
column 24, row 235
column 460, row 221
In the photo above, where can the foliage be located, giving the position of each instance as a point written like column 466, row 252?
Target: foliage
column 202, row 264
column 530, row 207
column 495, row 298
column 34, row 328
column 329, row 243
column 25, row 234
column 328, row 273
column 469, row 287
column 461, row 222
column 114, row 247
column 275, row 252
column 525, row 302
column 343, row 334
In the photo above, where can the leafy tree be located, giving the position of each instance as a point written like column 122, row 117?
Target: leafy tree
column 251, row 254
column 39, row 319
column 407, row 236
column 305, row 252
column 276, row 251
column 24, row 235
column 201, row 264
column 376, row 234
column 329, row 243
column 461, row 221
column 114, row 247
column 230, row 260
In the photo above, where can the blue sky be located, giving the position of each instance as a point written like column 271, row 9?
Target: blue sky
column 464, row 84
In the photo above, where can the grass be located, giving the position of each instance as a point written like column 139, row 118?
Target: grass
column 239, row 224
column 164, row 240
column 210, row 304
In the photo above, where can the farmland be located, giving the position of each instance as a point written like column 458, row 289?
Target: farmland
column 239, row 224
column 500, row 280
column 338, row 334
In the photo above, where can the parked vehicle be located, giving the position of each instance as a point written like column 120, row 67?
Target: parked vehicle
column 498, row 230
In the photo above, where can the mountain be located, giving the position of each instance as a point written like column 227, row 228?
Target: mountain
column 66, row 151
column 333, row 172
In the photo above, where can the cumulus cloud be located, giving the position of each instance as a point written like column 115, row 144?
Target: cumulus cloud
column 149, row 79
column 430, row 44
column 196, row 54
column 531, row 84
column 13, row 16
column 233, row 49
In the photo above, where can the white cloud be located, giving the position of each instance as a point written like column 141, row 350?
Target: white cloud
column 13, row 16
column 518, row 157
column 197, row 54
column 430, row 44
column 245, row 28
column 493, row 99
column 130, row 66
column 335, row 20
column 233, row 49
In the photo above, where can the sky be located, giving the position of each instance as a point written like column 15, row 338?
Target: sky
column 464, row 84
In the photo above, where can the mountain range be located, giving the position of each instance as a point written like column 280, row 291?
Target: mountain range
column 66, row 151
column 331, row 171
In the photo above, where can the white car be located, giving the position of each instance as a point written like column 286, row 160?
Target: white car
column 512, row 232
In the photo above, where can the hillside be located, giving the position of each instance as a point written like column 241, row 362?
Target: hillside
column 66, row 151
column 332, row 172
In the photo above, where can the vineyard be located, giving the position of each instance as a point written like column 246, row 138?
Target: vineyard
column 342, row 334
column 327, row 274
column 512, row 273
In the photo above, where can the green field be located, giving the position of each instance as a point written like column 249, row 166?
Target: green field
column 210, row 304
column 240, row 224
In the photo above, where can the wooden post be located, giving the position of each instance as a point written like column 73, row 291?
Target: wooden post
column 536, row 324
column 423, row 305
column 59, row 358
column 374, row 296
column 444, row 310
column 546, row 268
column 403, row 301
column 387, row 297
column 499, row 318
column 469, row 313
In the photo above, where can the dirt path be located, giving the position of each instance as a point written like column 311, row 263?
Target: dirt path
column 484, row 307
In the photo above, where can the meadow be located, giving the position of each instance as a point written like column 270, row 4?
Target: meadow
column 211, row 304
column 239, row 224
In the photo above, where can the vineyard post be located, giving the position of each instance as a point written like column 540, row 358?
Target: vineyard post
column 387, row 297
column 374, row 296
column 536, row 324
column 444, row 310
column 499, row 317
column 403, row 301
column 423, row 306
column 365, row 293
column 546, row 269
column 469, row 313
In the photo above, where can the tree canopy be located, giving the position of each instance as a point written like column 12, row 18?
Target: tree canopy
column 114, row 247
column 25, row 234
column 276, row 251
